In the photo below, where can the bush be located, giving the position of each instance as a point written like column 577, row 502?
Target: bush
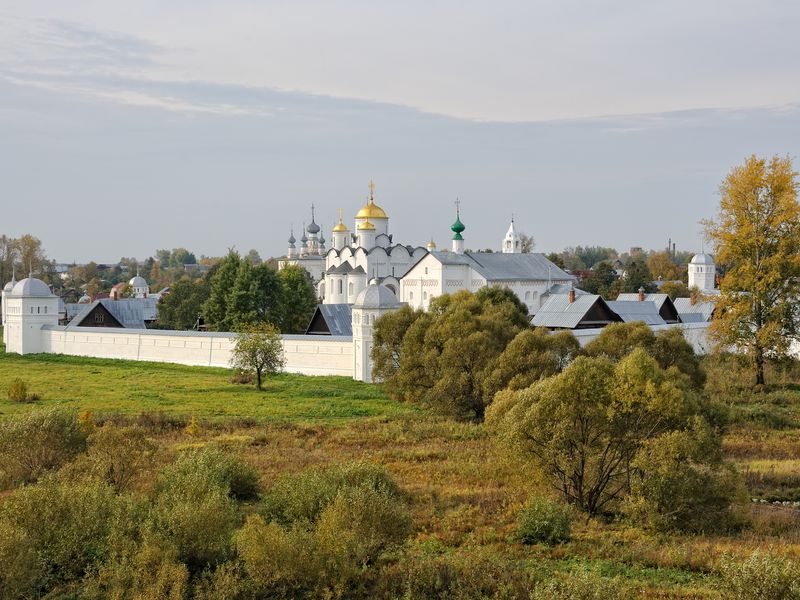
column 227, row 471
column 760, row 576
column 20, row 572
column 193, row 508
column 543, row 521
column 583, row 585
column 66, row 525
column 458, row 575
column 37, row 442
column 683, row 483
column 117, row 455
column 18, row 391
column 303, row 497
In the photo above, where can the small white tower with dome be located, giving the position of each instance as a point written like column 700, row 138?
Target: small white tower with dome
column 139, row 286
column 371, row 303
column 30, row 305
column 702, row 272
column 511, row 243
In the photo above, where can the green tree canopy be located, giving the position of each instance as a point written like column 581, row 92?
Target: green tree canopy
column 583, row 427
column 258, row 349
column 183, row 305
column 447, row 353
column 298, row 299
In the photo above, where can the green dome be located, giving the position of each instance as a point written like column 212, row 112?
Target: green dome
column 457, row 228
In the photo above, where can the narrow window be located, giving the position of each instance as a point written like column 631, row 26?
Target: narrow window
column 340, row 286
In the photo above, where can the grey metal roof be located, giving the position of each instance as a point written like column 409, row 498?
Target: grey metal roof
column 30, row 287
column 564, row 288
column 634, row 310
column 657, row 299
column 684, row 307
column 345, row 267
column 692, row 318
column 129, row 312
column 495, row 266
column 338, row 317
column 558, row 312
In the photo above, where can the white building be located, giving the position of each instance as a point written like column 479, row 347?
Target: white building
column 29, row 305
column 702, row 273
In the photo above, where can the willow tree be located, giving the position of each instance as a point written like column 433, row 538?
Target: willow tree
column 756, row 236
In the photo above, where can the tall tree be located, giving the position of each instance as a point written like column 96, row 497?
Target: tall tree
column 258, row 349
column 180, row 308
column 298, row 299
column 756, row 236
column 215, row 308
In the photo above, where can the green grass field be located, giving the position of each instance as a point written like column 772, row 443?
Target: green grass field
column 129, row 387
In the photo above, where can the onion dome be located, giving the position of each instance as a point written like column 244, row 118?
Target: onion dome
column 291, row 238
column 458, row 227
column 340, row 226
column 366, row 226
column 321, row 240
column 30, row 287
column 371, row 210
column 312, row 228
column 431, row 245
column 304, row 239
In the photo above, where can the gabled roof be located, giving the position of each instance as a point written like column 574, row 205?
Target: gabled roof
column 630, row 311
column 341, row 269
column 129, row 312
column 663, row 303
column 685, row 308
column 331, row 319
column 587, row 310
column 496, row 266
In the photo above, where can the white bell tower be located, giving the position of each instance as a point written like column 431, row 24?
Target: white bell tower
column 511, row 243
column 373, row 302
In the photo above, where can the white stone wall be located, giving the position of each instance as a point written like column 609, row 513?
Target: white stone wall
column 308, row 355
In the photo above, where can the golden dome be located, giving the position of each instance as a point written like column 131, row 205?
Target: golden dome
column 340, row 227
column 371, row 210
column 366, row 225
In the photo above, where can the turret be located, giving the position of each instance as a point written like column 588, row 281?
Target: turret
column 304, row 242
column 340, row 233
column 366, row 235
column 511, row 243
column 458, row 228
column 313, row 235
column 31, row 305
column 291, row 252
column 702, row 272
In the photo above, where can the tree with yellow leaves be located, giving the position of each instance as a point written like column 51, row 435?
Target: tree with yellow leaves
column 756, row 236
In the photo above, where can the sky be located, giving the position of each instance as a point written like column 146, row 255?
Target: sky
column 130, row 126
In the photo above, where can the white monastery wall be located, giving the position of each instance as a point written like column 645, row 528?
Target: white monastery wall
column 309, row 355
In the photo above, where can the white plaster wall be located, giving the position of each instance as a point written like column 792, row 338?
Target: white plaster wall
column 308, row 355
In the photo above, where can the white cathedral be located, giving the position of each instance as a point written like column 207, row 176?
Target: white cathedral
column 416, row 274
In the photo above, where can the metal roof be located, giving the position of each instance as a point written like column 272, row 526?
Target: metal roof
column 630, row 311
column 684, row 306
column 496, row 266
column 657, row 299
column 338, row 318
column 128, row 312
column 558, row 312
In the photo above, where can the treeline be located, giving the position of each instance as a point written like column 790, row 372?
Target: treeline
column 621, row 426
column 23, row 255
column 236, row 293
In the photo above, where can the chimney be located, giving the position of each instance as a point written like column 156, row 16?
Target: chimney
column 641, row 294
column 571, row 294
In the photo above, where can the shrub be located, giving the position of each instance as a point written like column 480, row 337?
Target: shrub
column 20, row 572
column 303, row 496
column 543, row 521
column 222, row 469
column 760, row 576
column 37, row 442
column 684, row 484
column 18, row 391
column 457, row 575
column 193, row 427
column 67, row 525
column 117, row 455
column 583, row 585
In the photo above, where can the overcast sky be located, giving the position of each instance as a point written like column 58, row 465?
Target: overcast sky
column 131, row 126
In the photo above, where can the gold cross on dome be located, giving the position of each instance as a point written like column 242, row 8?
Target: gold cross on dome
column 371, row 189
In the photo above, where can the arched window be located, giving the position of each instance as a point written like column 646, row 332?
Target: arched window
column 350, row 288
column 45, row 310
column 340, row 286
column 424, row 295
column 410, row 295
column 527, row 296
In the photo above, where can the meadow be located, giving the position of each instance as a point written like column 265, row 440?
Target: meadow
column 464, row 497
